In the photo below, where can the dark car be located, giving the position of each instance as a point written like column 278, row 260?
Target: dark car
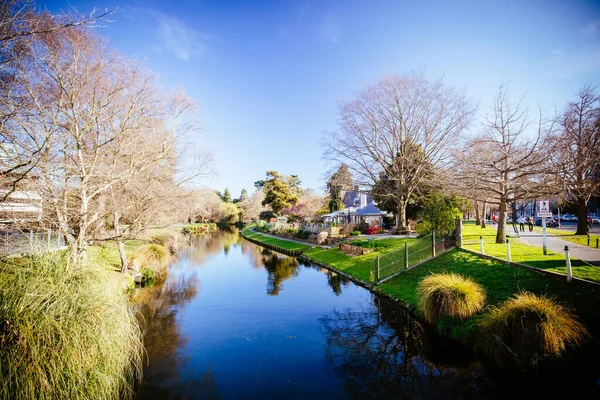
column 550, row 222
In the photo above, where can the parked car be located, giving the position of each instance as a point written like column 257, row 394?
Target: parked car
column 568, row 217
column 550, row 222
column 594, row 218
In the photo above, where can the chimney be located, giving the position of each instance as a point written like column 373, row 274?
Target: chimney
column 363, row 199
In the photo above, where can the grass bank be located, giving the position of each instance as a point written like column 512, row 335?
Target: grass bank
column 67, row 332
column 526, row 254
column 282, row 243
column 500, row 281
column 357, row 266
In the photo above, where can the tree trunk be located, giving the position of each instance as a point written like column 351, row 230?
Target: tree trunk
column 477, row 217
column 582, row 224
column 484, row 213
column 120, row 244
column 501, row 234
column 122, row 255
column 401, row 217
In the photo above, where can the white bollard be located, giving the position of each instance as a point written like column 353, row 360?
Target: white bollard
column 508, row 251
column 481, row 244
column 569, row 271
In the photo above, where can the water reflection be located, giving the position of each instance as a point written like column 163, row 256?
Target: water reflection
column 279, row 268
column 384, row 353
column 158, row 309
column 204, row 246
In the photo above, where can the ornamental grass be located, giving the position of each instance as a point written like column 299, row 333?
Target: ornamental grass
column 527, row 327
column 153, row 256
column 449, row 295
column 66, row 332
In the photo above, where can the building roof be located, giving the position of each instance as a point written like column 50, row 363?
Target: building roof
column 370, row 209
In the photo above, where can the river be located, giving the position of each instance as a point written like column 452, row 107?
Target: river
column 237, row 321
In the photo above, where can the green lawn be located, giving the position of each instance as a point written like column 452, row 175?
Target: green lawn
column 357, row 266
column 284, row 244
column 500, row 281
column 526, row 254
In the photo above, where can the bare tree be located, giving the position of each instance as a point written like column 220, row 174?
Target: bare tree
column 89, row 127
column 21, row 27
column 379, row 129
column 508, row 161
column 578, row 152
column 252, row 206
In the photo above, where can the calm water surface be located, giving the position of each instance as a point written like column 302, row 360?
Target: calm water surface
column 237, row 321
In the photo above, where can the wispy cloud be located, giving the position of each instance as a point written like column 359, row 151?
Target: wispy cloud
column 176, row 37
column 591, row 29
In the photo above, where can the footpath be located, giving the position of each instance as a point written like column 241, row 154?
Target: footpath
column 557, row 245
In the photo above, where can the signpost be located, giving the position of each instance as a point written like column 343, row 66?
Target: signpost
column 544, row 212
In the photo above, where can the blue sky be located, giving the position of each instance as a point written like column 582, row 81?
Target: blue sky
column 268, row 75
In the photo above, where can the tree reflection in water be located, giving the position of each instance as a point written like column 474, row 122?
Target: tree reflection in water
column 206, row 245
column 158, row 308
column 334, row 280
column 384, row 353
column 279, row 268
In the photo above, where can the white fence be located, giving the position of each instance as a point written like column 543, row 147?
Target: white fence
column 21, row 242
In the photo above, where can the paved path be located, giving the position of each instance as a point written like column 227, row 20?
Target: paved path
column 557, row 245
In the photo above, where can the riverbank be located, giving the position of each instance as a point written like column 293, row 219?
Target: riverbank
column 499, row 280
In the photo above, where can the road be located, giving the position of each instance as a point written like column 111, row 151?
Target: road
column 572, row 227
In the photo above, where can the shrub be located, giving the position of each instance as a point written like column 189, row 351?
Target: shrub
column 366, row 243
column 156, row 257
column 363, row 227
column 449, row 295
column 374, row 230
column 528, row 326
column 302, row 234
column 66, row 332
column 355, row 233
column 149, row 274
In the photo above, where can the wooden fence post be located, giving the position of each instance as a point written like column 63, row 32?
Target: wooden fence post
column 377, row 278
column 458, row 237
column 406, row 255
column 433, row 244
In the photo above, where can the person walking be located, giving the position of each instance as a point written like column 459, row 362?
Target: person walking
column 530, row 222
column 521, row 223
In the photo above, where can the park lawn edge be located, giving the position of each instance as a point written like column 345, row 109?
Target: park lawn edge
column 502, row 282
column 271, row 241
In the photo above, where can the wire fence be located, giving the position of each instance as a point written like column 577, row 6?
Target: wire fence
column 23, row 242
column 413, row 253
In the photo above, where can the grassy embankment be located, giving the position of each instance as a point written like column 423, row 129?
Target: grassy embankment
column 526, row 254
column 357, row 266
column 284, row 244
column 69, row 331
column 500, row 281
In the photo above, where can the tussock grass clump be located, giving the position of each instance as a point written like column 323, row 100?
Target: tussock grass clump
column 66, row 332
column 529, row 326
column 449, row 295
column 154, row 256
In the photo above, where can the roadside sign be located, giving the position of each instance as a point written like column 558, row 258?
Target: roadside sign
column 544, row 214
column 543, row 207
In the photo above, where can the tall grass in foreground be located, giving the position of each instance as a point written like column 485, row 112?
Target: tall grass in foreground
column 527, row 327
column 66, row 332
column 449, row 295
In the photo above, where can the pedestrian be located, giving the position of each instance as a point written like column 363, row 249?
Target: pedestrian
column 494, row 219
column 521, row 223
column 530, row 222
